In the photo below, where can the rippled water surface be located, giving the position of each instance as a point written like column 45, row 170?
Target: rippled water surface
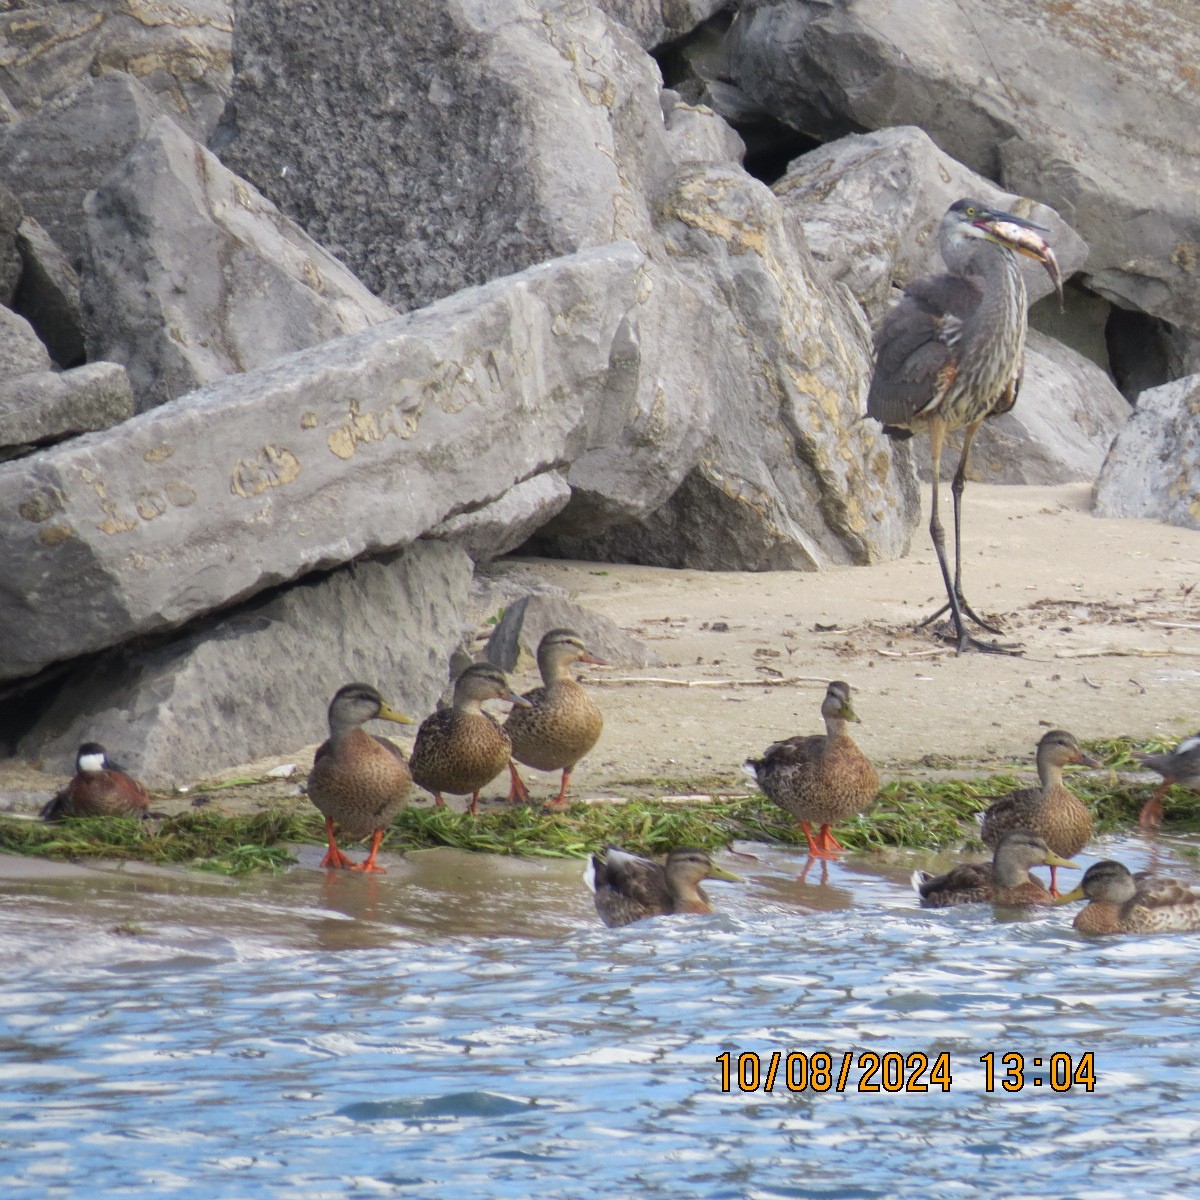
column 465, row 1027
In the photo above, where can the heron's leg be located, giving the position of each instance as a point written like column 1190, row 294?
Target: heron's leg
column 962, row 639
column 957, row 488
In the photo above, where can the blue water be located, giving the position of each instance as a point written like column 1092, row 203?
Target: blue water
column 447, row 1032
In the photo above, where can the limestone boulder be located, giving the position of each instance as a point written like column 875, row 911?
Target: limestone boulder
column 11, row 215
column 44, row 407
column 21, row 350
column 571, row 142
column 1060, row 430
column 789, row 477
column 355, row 447
column 179, row 51
column 47, row 295
column 1052, row 100
column 500, row 527
column 258, row 682
column 868, row 207
column 53, row 158
column 653, row 22
column 192, row 275
column 1153, row 468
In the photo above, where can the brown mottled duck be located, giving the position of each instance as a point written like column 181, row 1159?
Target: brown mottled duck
column 98, row 789
column 1050, row 811
column 1181, row 766
column 820, row 779
column 1119, row 902
column 629, row 888
column 358, row 780
column 461, row 749
column 1004, row 881
column 562, row 722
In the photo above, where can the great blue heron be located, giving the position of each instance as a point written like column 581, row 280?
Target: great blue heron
column 950, row 354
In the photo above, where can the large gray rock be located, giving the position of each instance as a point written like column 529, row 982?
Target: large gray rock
column 48, row 406
column 654, row 22
column 1052, row 100
column 514, row 641
column 192, row 275
column 789, row 478
column 21, row 350
column 1153, row 468
column 259, row 682
column 572, row 142
column 504, row 524
column 48, row 294
column 55, row 157
column 355, row 447
column 868, row 207
column 1060, row 430
column 180, row 51
column 11, row 215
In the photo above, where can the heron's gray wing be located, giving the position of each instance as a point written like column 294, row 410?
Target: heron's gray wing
column 916, row 345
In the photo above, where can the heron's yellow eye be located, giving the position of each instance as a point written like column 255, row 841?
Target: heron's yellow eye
column 970, row 212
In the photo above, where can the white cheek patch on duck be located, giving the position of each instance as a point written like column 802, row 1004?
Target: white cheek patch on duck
column 91, row 763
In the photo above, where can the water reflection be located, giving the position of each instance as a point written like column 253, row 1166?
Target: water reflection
column 465, row 1026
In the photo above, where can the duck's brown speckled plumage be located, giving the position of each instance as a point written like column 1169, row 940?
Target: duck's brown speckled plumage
column 1004, row 881
column 630, row 888
column 1051, row 811
column 1119, row 902
column 104, row 792
column 820, row 779
column 358, row 780
column 562, row 722
column 462, row 749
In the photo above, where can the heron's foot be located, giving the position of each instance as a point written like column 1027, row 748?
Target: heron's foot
column 965, row 641
column 966, row 610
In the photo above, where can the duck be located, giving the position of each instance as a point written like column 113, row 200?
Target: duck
column 1181, row 766
column 630, row 888
column 562, row 722
column 358, row 780
column 461, row 749
column 1004, row 881
column 1120, row 902
column 1051, row 811
column 820, row 779
column 99, row 788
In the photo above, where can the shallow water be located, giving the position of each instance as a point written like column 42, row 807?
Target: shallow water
column 465, row 1027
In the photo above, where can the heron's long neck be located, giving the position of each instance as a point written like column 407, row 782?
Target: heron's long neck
column 994, row 336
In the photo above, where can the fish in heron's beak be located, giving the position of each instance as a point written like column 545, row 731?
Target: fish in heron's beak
column 1025, row 238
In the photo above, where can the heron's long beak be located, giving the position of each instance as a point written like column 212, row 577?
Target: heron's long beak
column 1025, row 238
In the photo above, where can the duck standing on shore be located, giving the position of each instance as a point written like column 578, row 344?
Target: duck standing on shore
column 561, row 723
column 358, row 780
column 461, row 749
column 820, row 779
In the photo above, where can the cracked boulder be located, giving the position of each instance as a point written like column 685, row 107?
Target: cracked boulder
column 352, row 448
column 192, row 275
column 258, row 682
column 1153, row 468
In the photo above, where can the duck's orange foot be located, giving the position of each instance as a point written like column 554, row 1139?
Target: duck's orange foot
column 828, row 842
column 558, row 804
column 335, row 858
column 1151, row 816
column 518, row 793
column 368, row 864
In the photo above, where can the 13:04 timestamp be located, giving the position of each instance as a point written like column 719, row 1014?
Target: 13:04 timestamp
column 1059, row 1072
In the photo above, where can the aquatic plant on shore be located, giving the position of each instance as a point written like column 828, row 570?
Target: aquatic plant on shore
column 911, row 813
